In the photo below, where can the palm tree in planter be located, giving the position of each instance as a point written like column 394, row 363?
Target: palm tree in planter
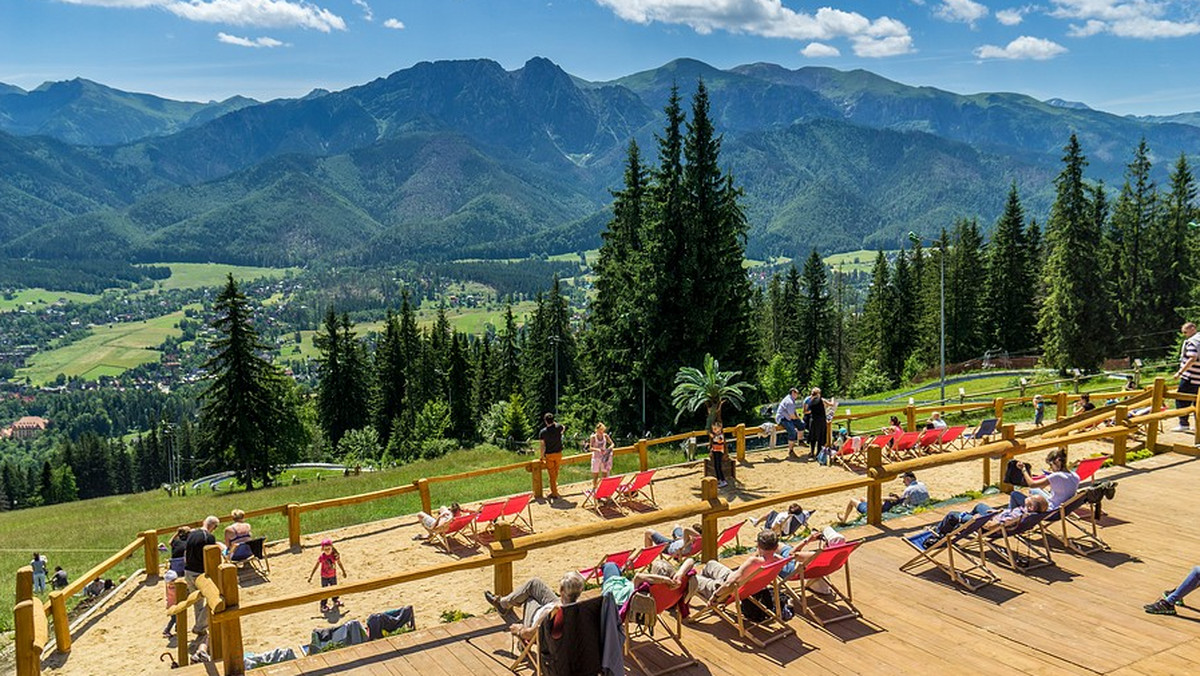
column 710, row 388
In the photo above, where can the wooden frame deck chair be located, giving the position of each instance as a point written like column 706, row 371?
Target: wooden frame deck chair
column 1016, row 547
column 1087, row 468
column 929, row 440
column 645, row 557
column 646, row 609
column 730, row 533
column 851, row 452
column 970, row 569
column 618, row 558
column 763, row 578
column 1087, row 540
column 543, row 650
column 639, row 488
column 904, row 444
column 251, row 553
column 985, row 430
column 951, row 435
column 822, row 565
column 488, row 514
column 605, row 490
column 453, row 530
column 518, row 510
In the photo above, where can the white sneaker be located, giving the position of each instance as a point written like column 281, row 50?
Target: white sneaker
column 722, row 484
column 1182, row 428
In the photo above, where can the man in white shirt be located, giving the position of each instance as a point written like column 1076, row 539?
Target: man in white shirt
column 1189, row 370
column 786, row 415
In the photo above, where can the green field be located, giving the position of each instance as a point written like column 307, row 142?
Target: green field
column 199, row 275
column 854, row 261
column 109, row 351
column 41, row 297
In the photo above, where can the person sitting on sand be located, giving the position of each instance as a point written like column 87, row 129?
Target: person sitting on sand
column 786, row 523
column 915, row 493
column 680, row 541
column 539, row 602
column 236, row 533
column 433, row 523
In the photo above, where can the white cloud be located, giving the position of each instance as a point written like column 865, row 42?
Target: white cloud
column 1142, row 19
column 1013, row 16
column 769, row 18
column 268, row 13
column 394, row 23
column 249, row 42
column 961, row 11
column 368, row 15
column 1024, row 47
column 817, row 50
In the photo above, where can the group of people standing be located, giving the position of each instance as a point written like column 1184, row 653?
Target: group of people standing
column 812, row 414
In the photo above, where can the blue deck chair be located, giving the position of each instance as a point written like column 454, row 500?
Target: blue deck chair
column 986, row 429
column 964, row 566
column 1022, row 546
column 1086, row 541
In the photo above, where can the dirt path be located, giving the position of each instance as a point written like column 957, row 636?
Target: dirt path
column 125, row 636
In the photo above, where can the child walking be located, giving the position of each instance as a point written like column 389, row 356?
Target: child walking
column 328, row 562
column 716, row 451
column 169, row 579
column 1039, row 410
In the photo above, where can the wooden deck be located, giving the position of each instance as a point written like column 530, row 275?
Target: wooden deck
column 1082, row 616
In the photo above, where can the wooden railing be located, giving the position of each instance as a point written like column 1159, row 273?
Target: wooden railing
column 219, row 586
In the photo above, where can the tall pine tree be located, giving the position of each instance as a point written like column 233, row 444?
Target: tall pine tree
column 1131, row 248
column 1010, row 291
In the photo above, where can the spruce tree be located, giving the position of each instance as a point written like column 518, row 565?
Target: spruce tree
column 815, row 312
column 462, row 415
column 1009, row 301
column 391, row 377
column 900, row 313
column 1070, row 320
column 343, row 393
column 873, row 331
column 1131, row 247
column 508, row 371
column 1173, row 255
column 790, row 334
column 245, row 407
column 965, row 279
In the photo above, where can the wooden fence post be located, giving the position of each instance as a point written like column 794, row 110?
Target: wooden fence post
column 708, row 522
column 293, row 518
column 998, row 409
column 910, row 418
column 535, row 473
column 212, row 565
column 234, row 657
column 24, row 583
column 643, row 456
column 1119, row 417
column 1061, row 401
column 875, row 490
column 739, row 433
column 502, row 573
column 29, row 662
column 150, row 553
column 181, row 624
column 1156, row 404
column 426, row 501
column 62, row 626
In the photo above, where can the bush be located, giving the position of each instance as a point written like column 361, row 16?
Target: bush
column 869, row 379
column 454, row 615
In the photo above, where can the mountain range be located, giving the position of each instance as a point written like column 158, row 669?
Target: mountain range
column 463, row 158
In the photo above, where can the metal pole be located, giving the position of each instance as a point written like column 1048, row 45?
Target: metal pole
column 943, row 257
column 556, row 339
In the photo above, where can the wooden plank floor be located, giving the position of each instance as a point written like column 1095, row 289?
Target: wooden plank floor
column 1081, row 616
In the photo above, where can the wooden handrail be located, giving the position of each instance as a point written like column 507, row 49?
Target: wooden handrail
column 183, row 605
column 82, row 581
column 483, row 471
column 1109, row 432
column 356, row 499
column 1162, row 415
column 343, row 589
column 796, row 496
column 560, row 536
column 263, row 511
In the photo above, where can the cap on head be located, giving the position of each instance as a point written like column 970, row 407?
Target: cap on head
column 326, row 542
column 909, row 475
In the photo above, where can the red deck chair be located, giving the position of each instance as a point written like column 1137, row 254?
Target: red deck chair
column 639, row 488
column 904, row 445
column 851, row 452
column 1087, row 467
column 723, row 539
column 517, row 510
column 453, row 530
column 646, row 609
column 951, row 435
column 929, row 439
column 645, row 557
column 606, row 490
column 760, row 580
column 488, row 514
column 826, row 562
column 619, row 558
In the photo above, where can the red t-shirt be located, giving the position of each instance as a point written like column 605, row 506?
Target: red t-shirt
column 328, row 564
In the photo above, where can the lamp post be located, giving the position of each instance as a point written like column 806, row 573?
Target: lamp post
column 916, row 239
column 555, row 340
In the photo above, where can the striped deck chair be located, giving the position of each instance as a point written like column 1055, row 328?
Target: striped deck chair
column 605, row 490
column 1017, row 547
column 619, row 558
column 970, row 569
column 453, row 530
column 1087, row 540
column 646, row 609
column 729, row 606
column 639, row 488
column 823, row 564
column 985, row 430
column 488, row 514
column 645, row 557
column 951, row 435
column 903, row 445
column 929, row 440
column 518, row 511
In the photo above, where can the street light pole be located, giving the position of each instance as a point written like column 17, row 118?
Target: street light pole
column 916, row 239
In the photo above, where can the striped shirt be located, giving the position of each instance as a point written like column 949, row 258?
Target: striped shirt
column 1191, row 350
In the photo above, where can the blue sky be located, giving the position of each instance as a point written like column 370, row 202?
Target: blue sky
column 1125, row 56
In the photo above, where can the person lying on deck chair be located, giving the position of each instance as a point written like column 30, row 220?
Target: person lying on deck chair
column 432, row 523
column 661, row 572
column 1000, row 519
column 680, row 541
column 540, row 602
column 915, row 494
column 786, row 523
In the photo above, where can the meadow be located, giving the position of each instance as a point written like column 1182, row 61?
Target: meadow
column 200, row 275
column 854, row 261
column 26, row 297
column 109, row 351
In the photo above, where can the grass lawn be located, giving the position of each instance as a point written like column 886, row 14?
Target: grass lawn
column 79, row 535
column 41, row 297
column 854, row 261
column 199, row 275
column 110, row 350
